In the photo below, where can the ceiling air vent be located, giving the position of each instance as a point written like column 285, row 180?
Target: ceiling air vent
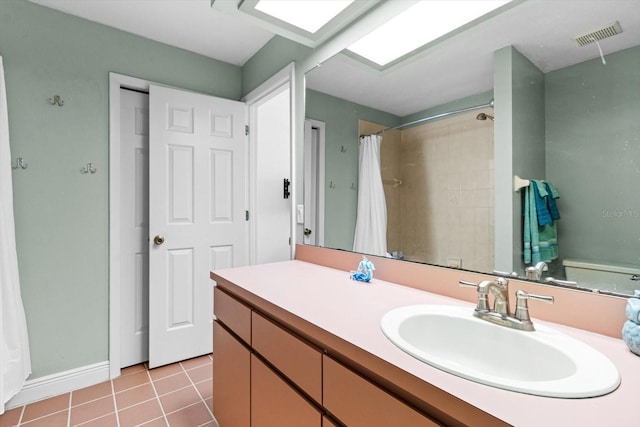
column 602, row 33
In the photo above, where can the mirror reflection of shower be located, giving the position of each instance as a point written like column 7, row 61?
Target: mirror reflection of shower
column 484, row 116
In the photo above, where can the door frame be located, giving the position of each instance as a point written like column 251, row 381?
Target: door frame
column 116, row 82
column 253, row 99
column 308, row 157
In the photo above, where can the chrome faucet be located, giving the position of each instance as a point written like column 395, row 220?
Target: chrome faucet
column 500, row 314
column 499, row 288
column 534, row 272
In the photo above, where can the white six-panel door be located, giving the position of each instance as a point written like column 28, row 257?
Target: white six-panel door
column 197, row 202
column 134, row 227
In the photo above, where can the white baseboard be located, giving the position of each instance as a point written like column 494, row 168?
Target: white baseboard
column 59, row 383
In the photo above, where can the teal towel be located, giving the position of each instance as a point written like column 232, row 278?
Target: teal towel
column 530, row 237
column 540, row 243
column 547, row 209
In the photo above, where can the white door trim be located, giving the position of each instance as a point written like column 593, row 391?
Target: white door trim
column 116, row 81
column 269, row 88
column 319, row 203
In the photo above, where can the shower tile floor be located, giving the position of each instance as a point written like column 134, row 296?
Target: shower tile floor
column 177, row 395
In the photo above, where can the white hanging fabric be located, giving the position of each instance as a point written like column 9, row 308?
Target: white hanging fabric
column 15, row 362
column 371, row 218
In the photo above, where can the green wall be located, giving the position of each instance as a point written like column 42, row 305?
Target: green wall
column 341, row 129
column 61, row 214
column 518, row 148
column 527, row 141
column 593, row 156
column 273, row 57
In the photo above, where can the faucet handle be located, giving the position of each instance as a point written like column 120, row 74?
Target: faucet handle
column 483, row 300
column 522, row 308
column 500, row 281
column 464, row 283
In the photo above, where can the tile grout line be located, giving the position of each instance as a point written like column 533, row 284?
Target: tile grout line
column 115, row 403
column 98, row 418
column 21, row 415
column 164, row 415
column 43, row 416
column 69, row 409
column 115, row 411
column 198, row 391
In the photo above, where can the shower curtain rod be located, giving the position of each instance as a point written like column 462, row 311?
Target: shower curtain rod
column 436, row 116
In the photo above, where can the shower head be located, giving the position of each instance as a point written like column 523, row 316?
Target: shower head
column 484, row 116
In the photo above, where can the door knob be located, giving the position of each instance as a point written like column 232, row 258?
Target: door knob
column 158, row 240
column 307, row 232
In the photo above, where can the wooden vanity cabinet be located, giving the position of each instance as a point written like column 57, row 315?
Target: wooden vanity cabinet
column 231, row 362
column 274, row 403
column 357, row 402
column 266, row 376
column 296, row 359
column 231, row 379
column 246, row 391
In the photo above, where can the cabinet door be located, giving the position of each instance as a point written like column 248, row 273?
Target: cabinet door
column 231, row 380
column 295, row 359
column 357, row 402
column 275, row 404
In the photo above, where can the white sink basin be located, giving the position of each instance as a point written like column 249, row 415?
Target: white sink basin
column 544, row 362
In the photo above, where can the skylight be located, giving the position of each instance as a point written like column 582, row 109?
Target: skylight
column 310, row 15
column 419, row 25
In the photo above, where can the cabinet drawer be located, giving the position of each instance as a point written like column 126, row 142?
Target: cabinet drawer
column 276, row 404
column 297, row 360
column 234, row 314
column 357, row 402
column 231, row 379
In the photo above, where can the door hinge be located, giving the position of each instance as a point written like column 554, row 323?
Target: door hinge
column 286, row 185
column 289, row 240
column 246, row 129
column 246, row 215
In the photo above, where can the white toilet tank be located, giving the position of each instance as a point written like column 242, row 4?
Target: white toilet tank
column 599, row 275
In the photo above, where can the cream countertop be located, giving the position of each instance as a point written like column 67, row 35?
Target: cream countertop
column 351, row 311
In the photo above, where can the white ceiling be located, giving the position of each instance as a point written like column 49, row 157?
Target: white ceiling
column 462, row 66
column 459, row 67
column 188, row 24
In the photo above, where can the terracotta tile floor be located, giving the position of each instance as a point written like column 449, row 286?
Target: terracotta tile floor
column 177, row 395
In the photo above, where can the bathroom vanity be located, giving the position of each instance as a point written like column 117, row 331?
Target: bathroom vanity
column 299, row 344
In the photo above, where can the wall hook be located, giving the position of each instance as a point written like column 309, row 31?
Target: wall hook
column 89, row 168
column 20, row 163
column 353, row 186
column 343, row 149
column 331, row 184
column 56, row 100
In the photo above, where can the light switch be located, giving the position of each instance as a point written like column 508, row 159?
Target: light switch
column 300, row 214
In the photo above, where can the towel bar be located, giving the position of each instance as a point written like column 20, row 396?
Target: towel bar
column 519, row 183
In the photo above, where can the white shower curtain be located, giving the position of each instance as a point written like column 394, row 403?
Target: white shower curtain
column 15, row 362
column 371, row 218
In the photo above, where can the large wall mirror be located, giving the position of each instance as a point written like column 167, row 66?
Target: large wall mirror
column 564, row 113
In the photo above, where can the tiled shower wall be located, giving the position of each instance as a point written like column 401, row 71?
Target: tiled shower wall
column 442, row 213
